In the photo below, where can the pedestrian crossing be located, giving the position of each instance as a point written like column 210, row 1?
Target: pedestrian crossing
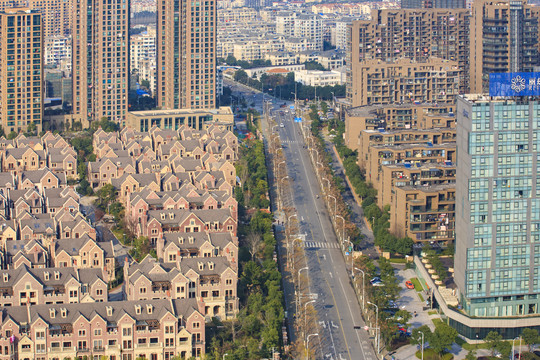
column 289, row 141
column 319, row 245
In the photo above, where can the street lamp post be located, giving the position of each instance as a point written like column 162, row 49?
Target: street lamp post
column 343, row 228
column 363, row 286
column 351, row 255
column 305, row 313
column 422, row 346
column 328, row 183
column 298, row 297
column 289, row 239
column 335, row 206
column 307, row 342
column 282, row 162
column 376, row 324
column 514, row 345
column 226, row 354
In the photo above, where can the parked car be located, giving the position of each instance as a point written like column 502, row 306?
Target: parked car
column 409, row 284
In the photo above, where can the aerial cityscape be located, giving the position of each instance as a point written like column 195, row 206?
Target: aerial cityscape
column 256, row 179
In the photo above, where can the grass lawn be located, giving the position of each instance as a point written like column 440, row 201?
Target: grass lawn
column 432, row 312
column 417, row 285
column 429, row 354
column 398, row 261
column 437, row 322
column 469, row 347
column 460, row 341
column 421, row 297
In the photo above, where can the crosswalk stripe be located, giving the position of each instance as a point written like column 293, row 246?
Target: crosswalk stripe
column 318, row 244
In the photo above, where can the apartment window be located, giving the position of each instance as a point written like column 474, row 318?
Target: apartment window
column 98, row 344
column 126, row 331
column 82, row 332
column 81, row 345
column 126, row 344
column 97, row 332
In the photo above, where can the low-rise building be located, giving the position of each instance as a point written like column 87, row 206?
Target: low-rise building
column 211, row 280
column 151, row 329
column 320, row 78
column 424, row 213
column 32, row 286
column 390, row 117
column 174, row 119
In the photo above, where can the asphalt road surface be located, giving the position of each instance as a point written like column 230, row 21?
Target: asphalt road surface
column 337, row 306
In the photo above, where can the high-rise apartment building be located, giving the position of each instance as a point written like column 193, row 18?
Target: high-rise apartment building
column 57, row 51
column 497, row 261
column 433, row 4
column 21, row 69
column 100, row 60
column 56, row 15
column 375, row 82
column 186, row 54
column 413, row 34
column 504, row 38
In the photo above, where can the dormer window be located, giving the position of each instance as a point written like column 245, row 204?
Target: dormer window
column 6, row 277
column 46, row 275
column 162, row 216
column 138, row 309
column 63, row 312
column 211, row 266
column 181, row 240
column 109, row 310
column 171, row 216
column 191, row 240
column 57, row 275
column 149, row 308
column 52, row 313
column 201, row 266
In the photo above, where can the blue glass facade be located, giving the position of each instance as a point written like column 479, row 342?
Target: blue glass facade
column 498, row 206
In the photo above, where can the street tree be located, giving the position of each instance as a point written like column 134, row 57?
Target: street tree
column 254, row 243
column 105, row 196
column 493, row 340
column 471, row 355
column 416, row 335
column 530, row 337
column 442, row 338
column 505, row 349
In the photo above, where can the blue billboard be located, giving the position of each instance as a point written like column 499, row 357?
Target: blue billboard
column 514, row 84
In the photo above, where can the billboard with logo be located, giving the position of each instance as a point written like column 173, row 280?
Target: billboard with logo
column 514, row 84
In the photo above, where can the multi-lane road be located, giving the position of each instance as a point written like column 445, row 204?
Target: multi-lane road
column 337, row 307
column 341, row 328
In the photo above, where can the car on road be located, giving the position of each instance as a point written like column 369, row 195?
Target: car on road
column 375, row 279
column 281, row 125
column 409, row 284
